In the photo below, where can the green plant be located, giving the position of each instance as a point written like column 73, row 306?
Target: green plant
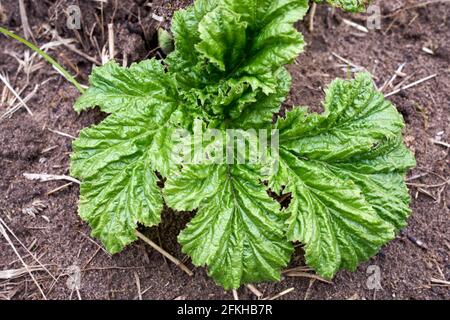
column 49, row 59
column 344, row 168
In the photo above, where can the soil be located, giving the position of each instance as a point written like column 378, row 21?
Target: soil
column 58, row 237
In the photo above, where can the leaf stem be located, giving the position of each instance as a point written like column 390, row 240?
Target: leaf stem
column 45, row 56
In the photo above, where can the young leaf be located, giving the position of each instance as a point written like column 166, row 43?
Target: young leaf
column 259, row 113
column 218, row 33
column 236, row 105
column 186, row 31
column 165, row 41
column 184, row 61
column 241, row 48
column 237, row 231
column 344, row 169
column 223, row 38
column 275, row 41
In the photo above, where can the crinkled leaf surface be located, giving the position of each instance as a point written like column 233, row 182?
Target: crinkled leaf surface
column 237, row 231
column 165, row 41
column 259, row 113
column 117, row 160
column 344, row 169
column 236, row 105
column 223, row 38
column 240, row 48
column 275, row 41
column 114, row 88
column 254, row 37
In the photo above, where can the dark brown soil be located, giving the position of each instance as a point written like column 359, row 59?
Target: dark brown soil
column 408, row 264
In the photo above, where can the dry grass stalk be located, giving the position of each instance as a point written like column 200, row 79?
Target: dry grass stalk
column 49, row 177
column 138, row 285
column 165, row 253
column 279, row 295
column 15, row 108
column 311, row 16
column 59, row 188
column 82, row 54
column 17, row 273
column 298, row 269
column 24, row 19
column 27, row 268
column 348, row 62
column 391, row 81
column 26, row 248
column 355, row 25
column 4, row 80
column 411, row 85
column 255, row 291
column 421, row 185
column 440, row 282
column 62, row 134
column 99, row 246
column 111, row 41
column 441, row 143
column 307, row 275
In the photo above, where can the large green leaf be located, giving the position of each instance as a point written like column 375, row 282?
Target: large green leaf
column 358, row 122
column 344, row 169
column 114, row 88
column 117, row 198
column 116, row 161
column 237, row 231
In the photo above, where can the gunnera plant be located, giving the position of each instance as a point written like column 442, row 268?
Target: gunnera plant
column 344, row 168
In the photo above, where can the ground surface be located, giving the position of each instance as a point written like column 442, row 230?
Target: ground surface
column 59, row 238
